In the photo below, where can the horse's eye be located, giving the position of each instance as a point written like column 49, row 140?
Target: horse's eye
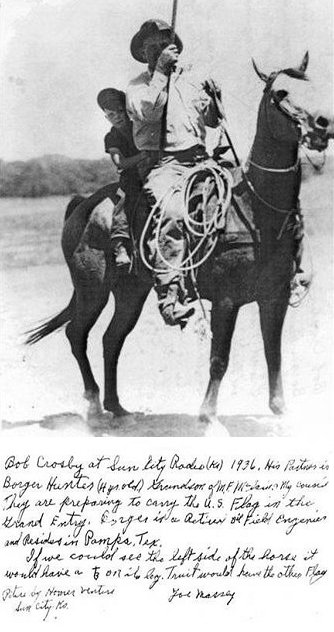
column 322, row 121
column 281, row 94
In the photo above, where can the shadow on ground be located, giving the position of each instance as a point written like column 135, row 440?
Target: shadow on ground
column 141, row 425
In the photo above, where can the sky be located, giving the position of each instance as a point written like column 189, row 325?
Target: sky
column 56, row 55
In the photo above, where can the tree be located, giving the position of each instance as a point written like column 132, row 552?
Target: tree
column 54, row 175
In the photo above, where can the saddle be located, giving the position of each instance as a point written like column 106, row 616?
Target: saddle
column 236, row 226
column 232, row 221
column 239, row 225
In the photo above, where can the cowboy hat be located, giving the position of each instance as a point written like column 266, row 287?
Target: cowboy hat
column 150, row 27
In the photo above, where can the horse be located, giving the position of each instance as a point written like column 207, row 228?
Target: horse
column 258, row 268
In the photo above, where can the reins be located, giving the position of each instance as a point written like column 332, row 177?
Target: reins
column 315, row 167
column 291, row 169
column 259, row 197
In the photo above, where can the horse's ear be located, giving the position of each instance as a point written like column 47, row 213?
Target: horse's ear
column 304, row 63
column 260, row 74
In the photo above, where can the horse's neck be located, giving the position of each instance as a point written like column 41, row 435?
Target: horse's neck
column 275, row 144
column 272, row 153
column 278, row 189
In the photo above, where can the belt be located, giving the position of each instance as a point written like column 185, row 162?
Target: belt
column 197, row 152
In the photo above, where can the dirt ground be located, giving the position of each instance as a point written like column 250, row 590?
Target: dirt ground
column 163, row 372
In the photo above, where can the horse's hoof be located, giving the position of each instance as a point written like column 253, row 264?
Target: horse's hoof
column 118, row 410
column 94, row 413
column 277, row 406
column 104, row 419
column 216, row 429
column 94, row 407
column 213, row 427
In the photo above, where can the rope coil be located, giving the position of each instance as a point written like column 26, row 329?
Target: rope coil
column 202, row 230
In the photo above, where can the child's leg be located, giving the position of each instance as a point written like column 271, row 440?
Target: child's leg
column 120, row 235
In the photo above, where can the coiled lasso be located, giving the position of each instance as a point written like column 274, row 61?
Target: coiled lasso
column 201, row 230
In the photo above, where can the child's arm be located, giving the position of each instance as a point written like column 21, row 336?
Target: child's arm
column 121, row 162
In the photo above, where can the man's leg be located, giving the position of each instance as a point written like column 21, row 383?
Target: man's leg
column 302, row 278
column 166, row 242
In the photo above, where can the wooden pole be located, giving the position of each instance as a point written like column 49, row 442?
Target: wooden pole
column 174, row 19
column 164, row 115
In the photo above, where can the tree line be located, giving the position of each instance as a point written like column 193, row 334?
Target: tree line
column 54, row 175
column 60, row 175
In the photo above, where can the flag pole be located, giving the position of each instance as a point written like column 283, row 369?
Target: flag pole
column 164, row 114
column 174, row 13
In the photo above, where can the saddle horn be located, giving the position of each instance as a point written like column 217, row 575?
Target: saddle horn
column 260, row 74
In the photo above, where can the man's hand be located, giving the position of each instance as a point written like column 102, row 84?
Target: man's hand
column 167, row 59
column 212, row 89
column 214, row 92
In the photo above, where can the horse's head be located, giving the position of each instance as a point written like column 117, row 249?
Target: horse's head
column 289, row 109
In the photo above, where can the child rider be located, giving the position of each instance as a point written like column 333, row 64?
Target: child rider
column 126, row 157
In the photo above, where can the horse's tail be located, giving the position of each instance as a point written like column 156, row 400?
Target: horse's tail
column 73, row 203
column 53, row 324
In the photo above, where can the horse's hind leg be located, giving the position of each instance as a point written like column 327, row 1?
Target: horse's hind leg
column 130, row 296
column 223, row 319
column 86, row 315
column 272, row 314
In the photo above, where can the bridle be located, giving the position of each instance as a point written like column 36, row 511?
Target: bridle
column 272, row 170
column 300, row 117
column 294, row 114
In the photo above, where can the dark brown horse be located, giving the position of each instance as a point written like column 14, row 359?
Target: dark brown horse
column 257, row 268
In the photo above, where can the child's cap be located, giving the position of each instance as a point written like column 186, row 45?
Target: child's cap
column 109, row 98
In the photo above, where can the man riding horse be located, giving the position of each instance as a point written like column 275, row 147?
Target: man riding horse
column 258, row 267
column 175, row 138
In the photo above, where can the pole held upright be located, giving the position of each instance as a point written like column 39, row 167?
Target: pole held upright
column 164, row 116
column 173, row 23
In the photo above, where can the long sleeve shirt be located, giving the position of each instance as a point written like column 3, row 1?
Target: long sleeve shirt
column 190, row 109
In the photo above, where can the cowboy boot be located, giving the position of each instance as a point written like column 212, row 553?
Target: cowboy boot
column 122, row 258
column 170, row 307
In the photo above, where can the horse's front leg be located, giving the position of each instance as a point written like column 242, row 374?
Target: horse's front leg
column 130, row 296
column 272, row 314
column 223, row 318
